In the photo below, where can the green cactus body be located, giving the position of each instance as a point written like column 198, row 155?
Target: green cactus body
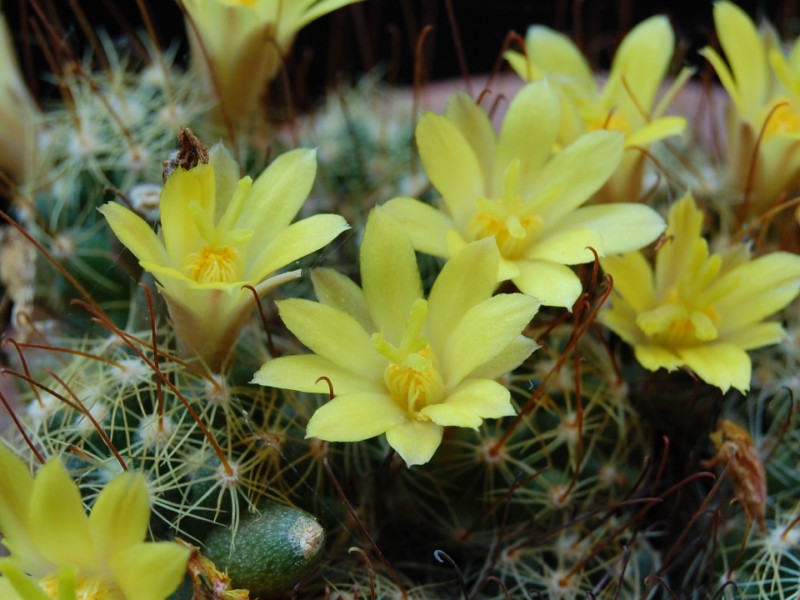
column 270, row 551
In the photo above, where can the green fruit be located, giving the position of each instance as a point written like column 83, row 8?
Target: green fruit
column 270, row 551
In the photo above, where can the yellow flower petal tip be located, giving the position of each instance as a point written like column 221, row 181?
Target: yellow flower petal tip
column 400, row 364
column 518, row 190
column 699, row 310
column 55, row 547
column 220, row 233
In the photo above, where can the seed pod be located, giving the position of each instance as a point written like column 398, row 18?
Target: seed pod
column 270, row 551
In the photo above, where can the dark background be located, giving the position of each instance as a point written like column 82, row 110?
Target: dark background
column 385, row 32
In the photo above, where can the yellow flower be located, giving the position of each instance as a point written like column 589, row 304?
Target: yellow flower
column 243, row 44
column 698, row 310
column 624, row 103
column 18, row 113
column 400, row 364
column 512, row 187
column 220, row 233
column 762, row 85
column 57, row 551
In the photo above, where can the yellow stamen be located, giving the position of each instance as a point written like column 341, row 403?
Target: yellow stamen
column 509, row 218
column 415, row 383
column 782, row 120
column 86, row 588
column 214, row 265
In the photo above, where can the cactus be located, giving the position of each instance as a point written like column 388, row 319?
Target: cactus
column 611, row 480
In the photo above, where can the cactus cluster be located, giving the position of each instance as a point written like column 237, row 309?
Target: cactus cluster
column 614, row 478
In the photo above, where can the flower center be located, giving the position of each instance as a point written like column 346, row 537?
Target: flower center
column 415, row 383
column 612, row 121
column 86, row 588
column 412, row 377
column 248, row 3
column 679, row 322
column 782, row 120
column 214, row 265
column 508, row 218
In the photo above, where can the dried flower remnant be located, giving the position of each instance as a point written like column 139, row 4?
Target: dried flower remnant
column 515, row 189
column 399, row 364
column 735, row 449
column 220, row 233
column 625, row 102
column 57, row 551
column 699, row 310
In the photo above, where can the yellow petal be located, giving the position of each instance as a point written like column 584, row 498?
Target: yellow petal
column 726, row 79
column 521, row 65
column 226, row 178
column 296, row 241
column 332, row 334
column 150, row 571
column 318, row 9
column 767, row 284
column 559, row 58
column 633, row 279
column 355, row 417
column 567, row 246
column 656, row 130
column 622, row 227
column 654, row 358
column 550, row 283
column 483, row 332
column 16, row 486
column 336, row 290
column 415, row 441
column 426, row 226
column 470, row 277
column 59, row 525
column 450, row 164
column 622, row 320
column 180, row 234
column 746, row 55
column 577, row 172
column 278, row 193
column 302, row 373
column 134, row 233
column 121, row 514
column 755, row 335
column 16, row 585
column 471, row 402
column 389, row 274
column 721, row 365
column 474, row 124
column 508, row 359
column 641, row 61
column 234, row 205
column 529, row 132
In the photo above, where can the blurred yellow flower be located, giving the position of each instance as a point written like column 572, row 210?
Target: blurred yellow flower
column 243, row 45
column 699, row 310
column 400, row 364
column 220, row 233
column 57, row 551
column 764, row 88
column 625, row 102
column 18, row 113
column 515, row 189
